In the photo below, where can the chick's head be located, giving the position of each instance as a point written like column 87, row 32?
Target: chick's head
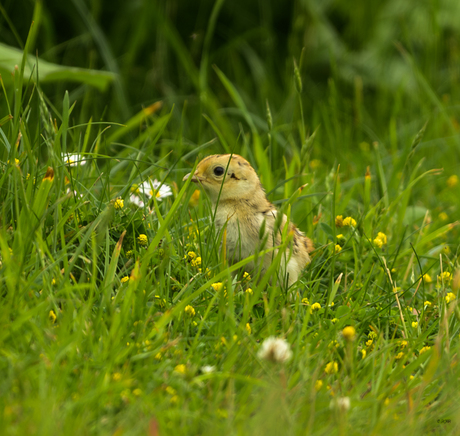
column 231, row 173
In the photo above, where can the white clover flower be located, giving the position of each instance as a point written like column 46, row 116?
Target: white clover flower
column 342, row 404
column 160, row 192
column 136, row 200
column 275, row 350
column 73, row 159
column 208, row 369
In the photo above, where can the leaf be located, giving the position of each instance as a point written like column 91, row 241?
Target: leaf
column 49, row 72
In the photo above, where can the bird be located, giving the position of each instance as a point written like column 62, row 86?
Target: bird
column 241, row 206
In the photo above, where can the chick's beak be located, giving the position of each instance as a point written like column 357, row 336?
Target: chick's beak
column 195, row 177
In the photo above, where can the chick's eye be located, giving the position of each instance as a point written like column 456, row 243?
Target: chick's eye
column 218, row 171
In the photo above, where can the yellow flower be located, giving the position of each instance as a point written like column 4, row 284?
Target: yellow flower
column 318, row 385
column 129, row 253
column 143, row 240
column 217, row 286
column 339, row 221
column 137, row 392
column 331, row 368
column 427, row 304
column 124, row 279
column 194, row 198
column 53, row 282
column 118, row 204
column 382, row 236
column 414, row 324
column 246, row 276
column 381, row 239
column 315, row 307
column 158, row 356
column 333, row 344
column 450, row 297
column 248, row 328
column 160, row 301
column 190, row 311
column 369, row 342
column 446, row 277
column 337, row 248
column 340, row 236
column 116, row 376
column 349, row 222
column 249, row 291
column 363, row 353
column 52, row 316
column 314, row 164
column 443, row 216
column 305, row 301
column 190, row 255
column 334, row 320
column 424, row 349
column 403, row 344
column 170, row 390
column 196, row 262
column 427, row 278
column 452, row 181
column 181, row 369
column 372, row 335
column 349, row 333
column 400, row 355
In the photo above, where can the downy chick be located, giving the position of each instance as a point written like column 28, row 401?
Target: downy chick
column 234, row 187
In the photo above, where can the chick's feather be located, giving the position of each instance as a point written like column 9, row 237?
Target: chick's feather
column 235, row 190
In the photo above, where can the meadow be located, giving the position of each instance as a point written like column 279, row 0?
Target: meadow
column 120, row 314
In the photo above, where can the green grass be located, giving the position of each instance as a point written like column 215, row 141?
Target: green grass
column 84, row 350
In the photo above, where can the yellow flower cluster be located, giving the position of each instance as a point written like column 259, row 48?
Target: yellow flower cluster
column 427, row 278
column 124, row 279
column 196, row 262
column 249, row 291
column 337, row 248
column 349, row 222
column 217, row 286
column 118, row 203
column 181, row 369
column 446, row 277
column 143, row 240
column 380, row 240
column 331, row 368
column 305, row 301
column 450, row 297
column 400, row 355
column 190, row 311
column 424, row 349
column 315, row 307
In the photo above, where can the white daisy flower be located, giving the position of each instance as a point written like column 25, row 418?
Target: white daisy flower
column 159, row 192
column 136, row 200
column 207, row 369
column 275, row 350
column 73, row 159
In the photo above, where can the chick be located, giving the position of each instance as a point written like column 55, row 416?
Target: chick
column 235, row 190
